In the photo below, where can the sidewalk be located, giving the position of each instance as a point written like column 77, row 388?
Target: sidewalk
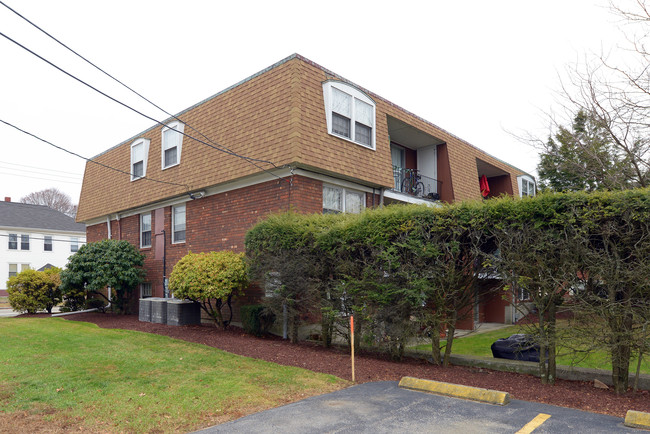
column 8, row 312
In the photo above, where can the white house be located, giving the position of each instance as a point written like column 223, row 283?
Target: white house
column 35, row 236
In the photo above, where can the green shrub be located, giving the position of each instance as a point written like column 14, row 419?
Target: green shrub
column 30, row 290
column 256, row 319
column 95, row 303
column 210, row 279
column 100, row 264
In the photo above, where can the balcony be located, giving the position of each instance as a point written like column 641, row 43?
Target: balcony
column 413, row 183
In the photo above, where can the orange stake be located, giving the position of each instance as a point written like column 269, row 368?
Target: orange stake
column 352, row 343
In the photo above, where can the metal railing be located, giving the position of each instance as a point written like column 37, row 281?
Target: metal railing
column 411, row 182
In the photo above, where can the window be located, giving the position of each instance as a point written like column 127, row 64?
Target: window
column 13, row 241
column 523, row 294
column 145, row 230
column 47, row 243
column 24, row 242
column 172, row 143
column 337, row 200
column 178, row 223
column 350, row 113
column 526, row 185
column 13, row 269
column 145, row 290
column 139, row 153
column 74, row 244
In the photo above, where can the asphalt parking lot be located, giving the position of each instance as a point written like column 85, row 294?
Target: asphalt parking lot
column 383, row 407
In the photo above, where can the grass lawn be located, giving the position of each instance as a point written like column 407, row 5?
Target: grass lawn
column 75, row 374
column 478, row 344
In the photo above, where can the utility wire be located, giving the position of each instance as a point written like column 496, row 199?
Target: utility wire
column 40, row 239
column 216, row 146
column 44, row 179
column 37, row 172
column 90, row 160
column 134, row 91
column 40, row 168
column 250, row 160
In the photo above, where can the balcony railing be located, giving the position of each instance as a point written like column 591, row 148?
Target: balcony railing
column 411, row 182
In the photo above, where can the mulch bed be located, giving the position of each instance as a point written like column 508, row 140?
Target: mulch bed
column 573, row 394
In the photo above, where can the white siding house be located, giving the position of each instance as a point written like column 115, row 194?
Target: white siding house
column 35, row 236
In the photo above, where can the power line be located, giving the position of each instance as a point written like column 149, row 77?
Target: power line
column 77, row 177
column 220, row 148
column 224, row 149
column 43, row 179
column 40, row 168
column 41, row 239
column 90, row 160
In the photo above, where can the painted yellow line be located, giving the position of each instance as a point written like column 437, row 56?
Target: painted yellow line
column 534, row 424
column 637, row 419
column 455, row 390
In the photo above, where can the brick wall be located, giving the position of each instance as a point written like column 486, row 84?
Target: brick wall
column 214, row 223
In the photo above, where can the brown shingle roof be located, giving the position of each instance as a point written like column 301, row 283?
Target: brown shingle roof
column 278, row 115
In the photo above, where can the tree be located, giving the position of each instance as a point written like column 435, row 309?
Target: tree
column 614, row 300
column 614, row 95
column 283, row 257
column 107, row 263
column 583, row 158
column 31, row 290
column 52, row 198
column 210, row 279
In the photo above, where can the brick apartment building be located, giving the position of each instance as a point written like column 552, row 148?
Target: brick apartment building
column 293, row 136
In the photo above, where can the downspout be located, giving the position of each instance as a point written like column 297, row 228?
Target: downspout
column 119, row 227
column 110, row 236
column 381, row 197
column 86, row 310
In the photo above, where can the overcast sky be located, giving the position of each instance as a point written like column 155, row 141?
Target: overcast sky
column 478, row 69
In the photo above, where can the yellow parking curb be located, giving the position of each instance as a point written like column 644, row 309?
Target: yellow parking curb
column 455, row 390
column 637, row 419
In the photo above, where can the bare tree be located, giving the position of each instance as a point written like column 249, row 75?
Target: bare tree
column 612, row 91
column 52, row 198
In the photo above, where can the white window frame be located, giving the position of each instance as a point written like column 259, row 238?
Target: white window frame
column 528, row 181
column 20, row 267
column 142, row 244
column 344, row 192
column 180, row 127
column 51, row 240
column 22, row 242
column 356, row 94
column 145, row 148
column 174, row 240
column 12, row 238
column 74, row 244
column 146, row 290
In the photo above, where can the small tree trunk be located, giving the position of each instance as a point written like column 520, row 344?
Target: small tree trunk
column 543, row 373
column 435, row 342
column 621, row 351
column 552, row 337
column 294, row 326
column 450, row 337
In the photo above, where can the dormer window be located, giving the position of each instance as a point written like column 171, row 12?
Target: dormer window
column 526, row 185
column 139, row 153
column 172, row 143
column 350, row 113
